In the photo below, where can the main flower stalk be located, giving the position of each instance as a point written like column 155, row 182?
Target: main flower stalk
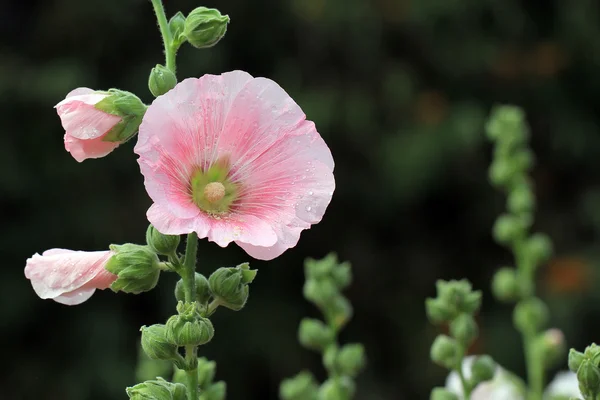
column 188, row 273
column 163, row 24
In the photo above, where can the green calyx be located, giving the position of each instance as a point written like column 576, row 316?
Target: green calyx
column 127, row 106
column 212, row 192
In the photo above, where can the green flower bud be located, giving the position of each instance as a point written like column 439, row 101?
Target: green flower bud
column 338, row 312
column 301, row 387
column 155, row 343
column 539, row 248
column 351, row 359
column 505, row 285
column 444, row 351
column 176, row 26
column 206, row 372
column 229, row 286
column 552, row 347
column 508, row 228
column 203, row 293
column 330, row 357
column 204, row 27
column 575, row 360
column 161, row 244
column 458, row 296
column 521, row 199
column 342, row 275
column 464, row 329
column 127, row 106
column 158, row 389
column 320, row 269
column 321, row 291
column 501, row 172
column 523, row 160
column 137, row 268
column 216, row 391
column 439, row 312
column 588, row 376
column 341, row 388
column 530, row 315
column 442, row 394
column 483, row 369
column 161, row 80
column 314, row 334
column 189, row 328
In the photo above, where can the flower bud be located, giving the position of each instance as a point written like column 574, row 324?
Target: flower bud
column 204, row 27
column 464, row 329
column 158, row 389
column 438, row 312
column 314, row 334
column 442, row 394
column 216, row 391
column 530, row 315
column 575, row 360
column 206, row 372
column 483, row 369
column 341, row 388
column 501, row 172
column 552, row 347
column 538, row 248
column 127, row 106
column 155, row 343
column 229, row 286
column 521, row 199
column 320, row 269
column 588, row 376
column 508, row 228
column 159, row 243
column 203, row 293
column 137, row 268
column 342, row 275
column 338, row 312
column 176, row 26
column 161, row 80
column 444, row 351
column 330, row 357
column 351, row 359
column 505, row 285
column 458, row 296
column 320, row 291
column 189, row 328
column 301, row 387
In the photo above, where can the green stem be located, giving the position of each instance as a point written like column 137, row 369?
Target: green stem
column 188, row 275
column 459, row 370
column 163, row 24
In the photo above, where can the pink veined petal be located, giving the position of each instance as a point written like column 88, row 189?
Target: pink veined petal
column 245, row 228
column 79, row 91
column 92, row 148
column 178, row 133
column 169, row 224
column 59, row 272
column 75, row 297
column 287, row 237
column 82, row 120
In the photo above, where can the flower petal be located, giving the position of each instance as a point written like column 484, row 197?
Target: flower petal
column 81, row 119
column 92, row 148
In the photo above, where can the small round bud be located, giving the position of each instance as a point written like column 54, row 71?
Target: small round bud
column 508, row 228
column 338, row 311
column 464, row 329
column 228, row 286
column 155, row 343
column 552, row 343
column 189, row 328
column 521, row 199
column 158, row 389
column 137, row 268
column 320, row 269
column 530, row 315
column 159, row 243
column 216, row 391
column 314, row 334
column 444, row 351
column 588, row 376
column 204, row 27
column 203, row 293
column 501, row 172
column 575, row 360
column 505, row 285
column 442, row 394
column 439, row 312
column 337, row 388
column 342, row 275
column 483, row 369
column 302, row 386
column 458, row 296
column 539, row 248
column 330, row 357
column 161, row 80
column 351, row 359
column 320, row 291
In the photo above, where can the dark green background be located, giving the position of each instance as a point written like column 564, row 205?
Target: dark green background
column 399, row 90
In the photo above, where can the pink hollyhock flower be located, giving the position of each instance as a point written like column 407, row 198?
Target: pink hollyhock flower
column 67, row 276
column 85, row 125
column 233, row 158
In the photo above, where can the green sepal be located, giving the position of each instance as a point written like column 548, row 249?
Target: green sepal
column 301, row 387
column 340, row 388
column 176, row 26
column 160, row 243
column 216, row 391
column 206, row 372
column 314, row 334
column 128, row 107
column 158, row 389
column 188, row 327
column 161, row 80
column 204, row 27
column 229, row 286
column 351, row 359
column 136, row 267
column 203, row 293
column 156, row 346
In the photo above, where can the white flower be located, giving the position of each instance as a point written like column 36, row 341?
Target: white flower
column 564, row 385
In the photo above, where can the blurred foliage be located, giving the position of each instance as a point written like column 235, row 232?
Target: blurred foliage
column 399, row 90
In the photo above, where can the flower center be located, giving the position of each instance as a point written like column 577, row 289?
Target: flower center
column 214, row 192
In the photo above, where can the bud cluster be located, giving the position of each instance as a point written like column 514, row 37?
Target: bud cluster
column 209, row 390
column 325, row 279
column 587, row 367
column 455, row 305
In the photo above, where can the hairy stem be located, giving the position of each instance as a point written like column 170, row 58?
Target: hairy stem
column 163, row 24
column 188, row 274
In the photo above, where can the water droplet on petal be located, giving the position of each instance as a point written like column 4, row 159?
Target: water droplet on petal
column 308, row 208
column 310, row 193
